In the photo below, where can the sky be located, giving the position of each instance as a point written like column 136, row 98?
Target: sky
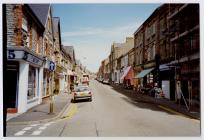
column 92, row 28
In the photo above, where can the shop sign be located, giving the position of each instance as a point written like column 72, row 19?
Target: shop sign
column 12, row 54
column 31, row 58
column 149, row 65
column 22, row 55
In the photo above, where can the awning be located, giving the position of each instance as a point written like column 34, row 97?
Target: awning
column 143, row 73
column 163, row 67
column 125, row 72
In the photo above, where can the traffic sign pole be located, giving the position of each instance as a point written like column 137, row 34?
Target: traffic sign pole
column 51, row 99
column 52, row 68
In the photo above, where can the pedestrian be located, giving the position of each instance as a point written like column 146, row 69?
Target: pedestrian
column 178, row 91
column 190, row 93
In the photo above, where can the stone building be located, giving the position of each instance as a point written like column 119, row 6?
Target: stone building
column 168, row 51
column 44, row 14
column 72, row 77
column 60, row 74
column 106, row 70
column 184, row 39
column 152, row 49
column 118, row 49
column 24, row 57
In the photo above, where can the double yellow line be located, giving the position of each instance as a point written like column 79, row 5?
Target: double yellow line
column 177, row 113
column 71, row 111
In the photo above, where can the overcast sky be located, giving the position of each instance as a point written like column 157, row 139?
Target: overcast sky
column 92, row 28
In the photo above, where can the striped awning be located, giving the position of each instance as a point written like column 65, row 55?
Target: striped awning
column 125, row 72
column 144, row 73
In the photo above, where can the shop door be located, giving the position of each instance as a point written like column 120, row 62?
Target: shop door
column 172, row 90
column 12, row 86
column 166, row 88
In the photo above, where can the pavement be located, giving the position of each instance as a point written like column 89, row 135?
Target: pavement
column 161, row 102
column 40, row 113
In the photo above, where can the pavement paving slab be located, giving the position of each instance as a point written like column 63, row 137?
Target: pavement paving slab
column 41, row 112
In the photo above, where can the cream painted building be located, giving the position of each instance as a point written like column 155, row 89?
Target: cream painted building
column 118, row 49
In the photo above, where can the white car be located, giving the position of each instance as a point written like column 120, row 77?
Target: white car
column 82, row 92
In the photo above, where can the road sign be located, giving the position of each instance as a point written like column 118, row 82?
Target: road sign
column 52, row 66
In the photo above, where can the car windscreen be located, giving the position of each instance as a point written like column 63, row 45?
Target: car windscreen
column 81, row 89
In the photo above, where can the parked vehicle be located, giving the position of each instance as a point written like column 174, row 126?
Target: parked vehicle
column 106, row 81
column 85, row 79
column 82, row 92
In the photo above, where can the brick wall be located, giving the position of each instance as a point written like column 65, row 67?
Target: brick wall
column 11, row 25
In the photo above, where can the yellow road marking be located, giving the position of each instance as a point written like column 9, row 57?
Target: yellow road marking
column 177, row 113
column 72, row 110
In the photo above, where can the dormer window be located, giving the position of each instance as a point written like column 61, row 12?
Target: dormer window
column 24, row 24
column 49, row 24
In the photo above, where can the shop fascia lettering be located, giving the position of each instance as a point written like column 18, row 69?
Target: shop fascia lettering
column 23, row 55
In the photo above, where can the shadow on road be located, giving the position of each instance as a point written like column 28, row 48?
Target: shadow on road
column 145, row 105
column 139, row 100
column 81, row 101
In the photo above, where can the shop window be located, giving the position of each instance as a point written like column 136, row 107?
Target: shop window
column 44, row 84
column 46, row 49
column 34, row 40
column 149, row 54
column 25, row 35
column 195, row 43
column 141, row 57
column 31, row 83
column 40, row 45
column 24, row 24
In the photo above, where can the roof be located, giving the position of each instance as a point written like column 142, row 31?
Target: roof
column 150, row 17
column 78, row 62
column 70, row 50
column 118, row 44
column 35, row 18
column 56, row 21
column 56, row 27
column 41, row 11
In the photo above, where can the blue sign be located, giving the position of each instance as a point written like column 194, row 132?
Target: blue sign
column 52, row 66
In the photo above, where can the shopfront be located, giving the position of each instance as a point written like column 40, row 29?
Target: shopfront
column 12, row 76
column 24, row 70
column 136, row 81
column 47, row 79
column 127, row 77
column 59, row 80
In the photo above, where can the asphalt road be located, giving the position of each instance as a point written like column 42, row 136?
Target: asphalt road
column 111, row 114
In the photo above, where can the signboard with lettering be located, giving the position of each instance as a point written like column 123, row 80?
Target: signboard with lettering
column 14, row 54
column 23, row 55
column 149, row 65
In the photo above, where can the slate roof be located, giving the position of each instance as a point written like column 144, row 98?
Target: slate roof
column 41, row 11
column 70, row 51
column 55, row 24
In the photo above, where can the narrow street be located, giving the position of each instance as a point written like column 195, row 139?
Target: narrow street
column 111, row 114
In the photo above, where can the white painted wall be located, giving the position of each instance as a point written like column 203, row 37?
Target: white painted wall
column 23, row 87
column 35, row 100
column 61, row 82
column 40, row 81
column 166, row 88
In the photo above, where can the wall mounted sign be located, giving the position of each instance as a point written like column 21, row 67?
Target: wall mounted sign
column 23, row 55
column 51, row 66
